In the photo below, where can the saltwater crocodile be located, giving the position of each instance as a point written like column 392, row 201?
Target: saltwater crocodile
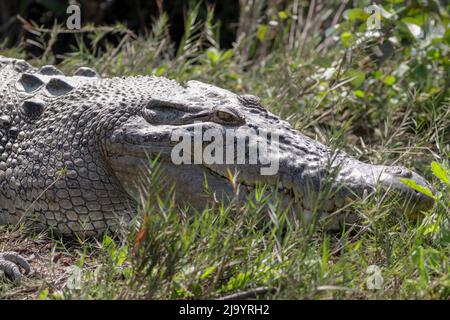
column 74, row 151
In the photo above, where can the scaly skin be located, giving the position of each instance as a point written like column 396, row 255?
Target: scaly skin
column 74, row 150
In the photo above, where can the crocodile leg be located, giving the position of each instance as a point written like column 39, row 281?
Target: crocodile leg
column 10, row 263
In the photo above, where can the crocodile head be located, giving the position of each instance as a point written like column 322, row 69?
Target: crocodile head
column 75, row 151
column 195, row 130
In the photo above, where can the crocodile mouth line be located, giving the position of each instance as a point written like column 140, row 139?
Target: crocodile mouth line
column 327, row 202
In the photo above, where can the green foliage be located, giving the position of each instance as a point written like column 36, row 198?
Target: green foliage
column 412, row 184
column 440, row 172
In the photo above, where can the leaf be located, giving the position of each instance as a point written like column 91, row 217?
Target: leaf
column 432, row 228
column 43, row 294
column 57, row 7
column 227, row 54
column 412, row 184
column 329, row 32
column 120, row 256
column 74, row 280
column 440, row 172
column 447, row 36
column 323, row 62
column 160, row 71
column 238, row 281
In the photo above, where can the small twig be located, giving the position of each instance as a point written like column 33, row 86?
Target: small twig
column 51, row 42
column 250, row 294
column 325, row 288
column 28, row 26
column 335, row 20
column 330, row 287
column 339, row 70
column 115, row 52
column 312, row 7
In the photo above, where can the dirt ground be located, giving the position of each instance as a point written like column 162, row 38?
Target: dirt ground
column 51, row 264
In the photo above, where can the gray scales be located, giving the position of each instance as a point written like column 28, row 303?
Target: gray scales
column 74, row 150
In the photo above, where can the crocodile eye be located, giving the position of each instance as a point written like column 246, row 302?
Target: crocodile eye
column 227, row 117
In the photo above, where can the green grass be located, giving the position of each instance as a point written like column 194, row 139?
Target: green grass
column 388, row 109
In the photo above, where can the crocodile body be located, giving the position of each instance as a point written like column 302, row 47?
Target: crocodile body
column 51, row 171
column 73, row 149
